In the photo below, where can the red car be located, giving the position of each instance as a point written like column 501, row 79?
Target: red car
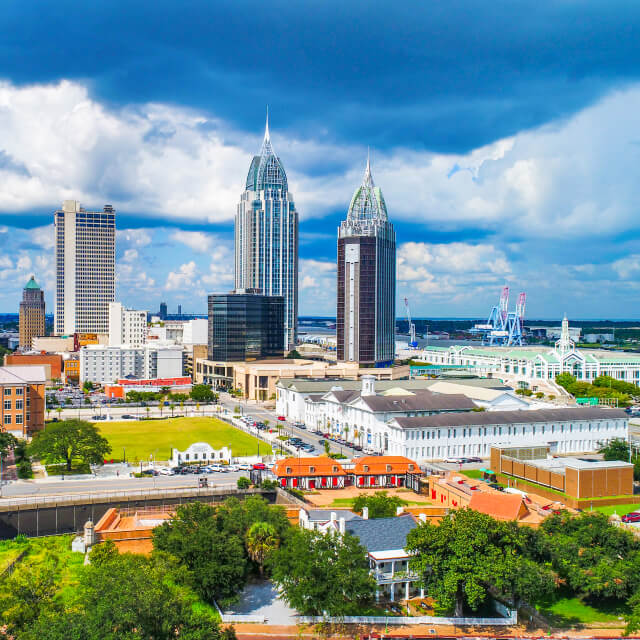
column 282, row 418
column 634, row 516
column 260, row 466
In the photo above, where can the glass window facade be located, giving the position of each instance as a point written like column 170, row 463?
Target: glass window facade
column 245, row 326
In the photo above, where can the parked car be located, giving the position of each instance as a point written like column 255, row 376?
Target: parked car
column 454, row 460
column 150, row 472
column 259, row 466
column 634, row 516
column 216, row 468
column 244, row 467
column 127, row 416
column 281, row 418
column 474, row 459
column 164, row 471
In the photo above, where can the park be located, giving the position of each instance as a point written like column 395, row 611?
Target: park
column 140, row 439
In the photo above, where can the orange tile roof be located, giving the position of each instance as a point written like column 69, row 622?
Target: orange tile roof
column 298, row 467
column 501, row 506
column 384, row 464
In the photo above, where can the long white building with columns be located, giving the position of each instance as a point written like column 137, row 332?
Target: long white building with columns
column 539, row 363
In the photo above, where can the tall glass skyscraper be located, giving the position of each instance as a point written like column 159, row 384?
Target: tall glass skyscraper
column 366, row 279
column 267, row 236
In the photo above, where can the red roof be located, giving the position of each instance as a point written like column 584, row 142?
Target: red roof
column 501, row 506
column 377, row 465
column 299, row 467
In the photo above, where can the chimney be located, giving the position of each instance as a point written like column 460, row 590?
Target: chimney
column 333, row 516
column 399, row 510
column 89, row 534
column 365, row 513
column 342, row 525
column 422, row 517
column 368, row 386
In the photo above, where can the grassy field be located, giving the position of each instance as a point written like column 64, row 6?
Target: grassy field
column 569, row 612
column 142, row 438
column 475, row 474
column 347, row 503
column 620, row 509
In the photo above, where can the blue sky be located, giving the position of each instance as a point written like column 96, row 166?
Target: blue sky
column 505, row 137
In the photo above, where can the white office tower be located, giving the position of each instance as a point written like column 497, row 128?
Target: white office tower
column 267, row 236
column 85, row 268
column 126, row 326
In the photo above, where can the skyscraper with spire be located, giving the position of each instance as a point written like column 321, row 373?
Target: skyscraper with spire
column 366, row 279
column 266, row 240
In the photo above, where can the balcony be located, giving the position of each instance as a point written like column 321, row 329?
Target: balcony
column 387, row 577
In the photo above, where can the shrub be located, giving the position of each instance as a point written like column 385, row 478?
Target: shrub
column 244, row 483
column 269, row 484
column 24, row 469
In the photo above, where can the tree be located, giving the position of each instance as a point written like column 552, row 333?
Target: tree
column 172, row 407
column 126, row 597
column 616, row 449
column 293, row 354
column 565, row 380
column 261, row 541
column 243, row 483
column 467, row 555
column 87, row 386
column 7, row 441
column 216, row 559
column 327, row 447
column 380, row 504
column 70, row 440
column 202, row 393
column 322, row 573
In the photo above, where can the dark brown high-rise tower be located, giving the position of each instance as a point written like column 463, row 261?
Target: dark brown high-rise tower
column 366, row 279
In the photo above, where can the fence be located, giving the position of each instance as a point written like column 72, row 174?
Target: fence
column 508, row 621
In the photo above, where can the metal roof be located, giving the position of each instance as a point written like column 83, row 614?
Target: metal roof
column 382, row 534
column 478, row 418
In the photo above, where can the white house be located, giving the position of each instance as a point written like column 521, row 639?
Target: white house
column 200, row 452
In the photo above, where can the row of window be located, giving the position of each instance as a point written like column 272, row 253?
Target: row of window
column 19, row 391
column 19, row 405
column 18, row 419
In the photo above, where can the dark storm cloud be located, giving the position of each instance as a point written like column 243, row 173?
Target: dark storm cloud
column 446, row 76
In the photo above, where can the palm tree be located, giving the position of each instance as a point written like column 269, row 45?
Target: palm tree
column 261, row 540
column 172, row 407
column 59, row 411
column 182, row 406
column 148, row 409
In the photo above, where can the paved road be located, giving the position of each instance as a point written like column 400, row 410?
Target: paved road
column 261, row 413
column 71, row 487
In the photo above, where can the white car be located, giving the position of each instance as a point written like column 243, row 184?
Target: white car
column 454, row 460
column 164, row 471
column 216, row 468
column 232, row 467
column 244, row 467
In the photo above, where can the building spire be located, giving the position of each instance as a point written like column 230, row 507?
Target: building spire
column 368, row 179
column 267, row 137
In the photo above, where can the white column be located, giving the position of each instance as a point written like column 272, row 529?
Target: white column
column 406, row 590
column 393, row 568
column 393, row 595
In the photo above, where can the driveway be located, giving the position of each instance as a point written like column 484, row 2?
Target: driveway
column 261, row 598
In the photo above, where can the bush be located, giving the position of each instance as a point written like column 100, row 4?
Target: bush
column 24, row 470
column 269, row 484
column 296, row 492
column 244, row 483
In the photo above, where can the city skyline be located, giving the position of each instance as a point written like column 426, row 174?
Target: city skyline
column 521, row 178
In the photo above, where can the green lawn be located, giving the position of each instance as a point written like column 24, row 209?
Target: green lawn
column 569, row 612
column 347, row 503
column 620, row 509
column 142, row 438
column 475, row 474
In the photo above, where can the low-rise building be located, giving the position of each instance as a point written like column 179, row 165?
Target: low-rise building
column 72, row 369
column 104, row 365
column 200, row 453
column 436, row 437
column 258, row 380
column 181, row 384
column 310, row 473
column 382, row 471
column 52, row 363
column 579, row 478
column 52, row 344
column 22, row 398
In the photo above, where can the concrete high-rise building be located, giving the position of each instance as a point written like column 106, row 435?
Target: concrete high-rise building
column 126, row 326
column 31, row 317
column 366, row 279
column 245, row 326
column 266, row 240
column 85, row 268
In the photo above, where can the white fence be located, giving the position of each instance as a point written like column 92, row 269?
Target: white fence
column 508, row 621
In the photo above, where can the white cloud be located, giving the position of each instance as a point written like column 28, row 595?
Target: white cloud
column 134, row 237
column 196, row 240
column 183, row 278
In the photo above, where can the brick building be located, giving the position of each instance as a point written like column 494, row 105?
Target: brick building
column 22, row 390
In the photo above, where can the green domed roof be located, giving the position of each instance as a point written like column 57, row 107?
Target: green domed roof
column 32, row 284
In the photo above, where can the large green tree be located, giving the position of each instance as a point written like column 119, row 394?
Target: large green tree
column 380, row 504
column 322, row 573
column 469, row 554
column 216, row 557
column 128, row 597
column 70, row 440
column 7, row 441
column 202, row 393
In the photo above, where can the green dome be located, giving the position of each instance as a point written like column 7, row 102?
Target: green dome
column 32, row 284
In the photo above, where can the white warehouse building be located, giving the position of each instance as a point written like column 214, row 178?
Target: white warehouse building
column 103, row 364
